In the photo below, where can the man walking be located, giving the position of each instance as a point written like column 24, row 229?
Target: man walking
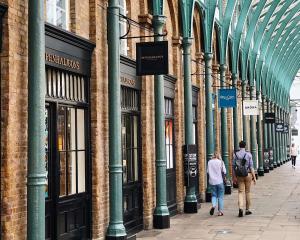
column 294, row 153
column 243, row 174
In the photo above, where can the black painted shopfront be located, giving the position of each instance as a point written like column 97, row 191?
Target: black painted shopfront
column 131, row 147
column 169, row 88
column 67, row 134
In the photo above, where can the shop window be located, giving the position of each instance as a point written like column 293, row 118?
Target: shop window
column 169, row 133
column 57, row 13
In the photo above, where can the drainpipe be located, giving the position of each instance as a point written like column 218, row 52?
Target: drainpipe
column 161, row 216
column 116, row 229
column 245, row 118
column 36, row 178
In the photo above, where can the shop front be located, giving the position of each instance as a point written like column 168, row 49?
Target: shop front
column 67, row 134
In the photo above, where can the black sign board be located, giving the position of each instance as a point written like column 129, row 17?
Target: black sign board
column 279, row 127
column 190, row 164
column 288, row 151
column 152, row 58
column 286, row 128
column 294, row 132
column 266, row 160
column 269, row 117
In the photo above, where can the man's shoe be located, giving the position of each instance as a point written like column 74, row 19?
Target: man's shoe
column 212, row 210
column 248, row 212
column 240, row 212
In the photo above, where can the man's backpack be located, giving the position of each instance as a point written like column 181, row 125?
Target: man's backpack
column 240, row 167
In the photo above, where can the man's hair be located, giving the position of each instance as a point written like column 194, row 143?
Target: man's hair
column 242, row 144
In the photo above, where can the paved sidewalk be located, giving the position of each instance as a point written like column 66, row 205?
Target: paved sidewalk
column 275, row 207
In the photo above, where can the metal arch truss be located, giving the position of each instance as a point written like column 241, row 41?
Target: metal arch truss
column 264, row 38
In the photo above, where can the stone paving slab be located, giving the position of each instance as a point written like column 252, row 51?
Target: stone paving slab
column 275, row 206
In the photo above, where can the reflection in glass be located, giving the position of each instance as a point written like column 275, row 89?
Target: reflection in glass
column 61, row 128
column 81, row 171
column 71, row 129
column 71, row 172
column 80, row 129
column 63, row 174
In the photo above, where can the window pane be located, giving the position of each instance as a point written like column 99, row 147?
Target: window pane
column 80, row 130
column 167, row 132
column 71, row 129
column 136, row 165
column 81, row 171
column 72, row 172
column 46, row 153
column 171, row 157
column 51, row 11
column 194, row 133
column 135, row 127
column 171, row 131
column 62, row 171
column 168, row 156
column 61, row 129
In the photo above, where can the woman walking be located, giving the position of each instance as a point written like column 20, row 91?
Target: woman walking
column 216, row 169
column 294, row 153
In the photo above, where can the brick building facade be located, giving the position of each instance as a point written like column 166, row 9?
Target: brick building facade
column 87, row 20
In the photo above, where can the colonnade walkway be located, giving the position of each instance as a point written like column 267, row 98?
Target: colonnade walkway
column 275, row 207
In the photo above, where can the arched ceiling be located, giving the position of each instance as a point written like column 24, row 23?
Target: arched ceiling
column 265, row 35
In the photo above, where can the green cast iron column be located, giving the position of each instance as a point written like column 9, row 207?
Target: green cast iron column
column 259, row 140
column 224, row 132
column 280, row 140
column 116, row 229
column 161, row 216
column 273, row 136
column 253, row 136
column 245, row 120
column 209, row 117
column 266, row 130
column 36, row 122
column 270, row 138
column 235, row 117
column 277, row 142
column 190, row 201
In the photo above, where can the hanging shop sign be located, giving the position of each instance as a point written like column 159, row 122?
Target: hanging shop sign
column 286, row 128
column 250, row 107
column 227, row 98
column 152, row 58
column 190, row 164
column 269, row 117
column 294, row 132
column 279, row 127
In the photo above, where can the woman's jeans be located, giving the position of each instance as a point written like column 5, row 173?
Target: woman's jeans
column 217, row 195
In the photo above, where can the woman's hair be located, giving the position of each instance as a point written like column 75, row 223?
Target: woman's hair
column 217, row 155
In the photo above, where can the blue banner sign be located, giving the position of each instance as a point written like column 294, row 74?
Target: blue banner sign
column 227, row 98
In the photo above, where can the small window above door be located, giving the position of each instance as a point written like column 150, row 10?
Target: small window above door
column 57, row 13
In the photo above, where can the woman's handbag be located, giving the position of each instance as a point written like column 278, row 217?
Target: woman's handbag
column 223, row 174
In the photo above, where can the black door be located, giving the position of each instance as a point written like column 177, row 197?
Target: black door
column 67, row 159
column 132, row 171
column 170, row 156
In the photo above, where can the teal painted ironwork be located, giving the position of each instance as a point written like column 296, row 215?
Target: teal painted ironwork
column 36, row 178
column 116, row 229
column 161, row 216
column 190, row 201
